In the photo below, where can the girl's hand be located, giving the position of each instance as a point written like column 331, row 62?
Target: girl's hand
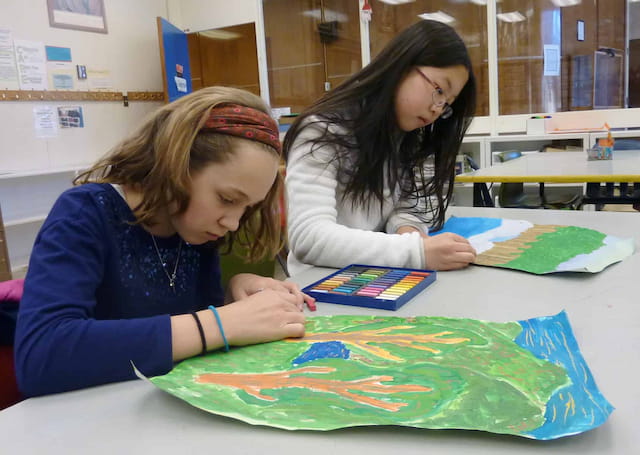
column 244, row 285
column 447, row 251
column 264, row 316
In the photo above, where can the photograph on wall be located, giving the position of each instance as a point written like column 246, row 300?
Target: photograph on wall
column 70, row 117
column 84, row 15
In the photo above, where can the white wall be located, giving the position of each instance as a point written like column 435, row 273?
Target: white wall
column 198, row 15
column 129, row 51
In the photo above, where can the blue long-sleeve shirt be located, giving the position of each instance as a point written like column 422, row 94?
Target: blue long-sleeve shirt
column 97, row 296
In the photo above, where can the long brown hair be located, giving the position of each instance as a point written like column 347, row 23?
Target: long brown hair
column 159, row 158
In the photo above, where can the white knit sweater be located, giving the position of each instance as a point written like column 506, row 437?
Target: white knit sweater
column 326, row 231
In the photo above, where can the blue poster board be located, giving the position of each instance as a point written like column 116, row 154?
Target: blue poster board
column 176, row 57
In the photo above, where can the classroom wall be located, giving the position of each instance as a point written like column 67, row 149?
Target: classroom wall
column 129, row 51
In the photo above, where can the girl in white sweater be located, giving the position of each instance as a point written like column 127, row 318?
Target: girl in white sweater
column 370, row 166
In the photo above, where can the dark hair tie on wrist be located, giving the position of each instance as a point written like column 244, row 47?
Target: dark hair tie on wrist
column 201, row 330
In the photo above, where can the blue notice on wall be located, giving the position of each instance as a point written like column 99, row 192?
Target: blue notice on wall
column 58, row 54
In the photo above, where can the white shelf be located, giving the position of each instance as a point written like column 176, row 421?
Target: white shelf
column 38, row 172
column 19, row 271
column 537, row 137
column 27, row 220
column 27, row 197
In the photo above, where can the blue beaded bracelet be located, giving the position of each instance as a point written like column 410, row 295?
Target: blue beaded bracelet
column 224, row 338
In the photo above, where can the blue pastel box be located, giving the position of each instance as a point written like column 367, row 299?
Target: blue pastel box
column 385, row 288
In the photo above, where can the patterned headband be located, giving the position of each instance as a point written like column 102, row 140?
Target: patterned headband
column 245, row 122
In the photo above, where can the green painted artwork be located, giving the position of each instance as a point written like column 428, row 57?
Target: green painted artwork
column 539, row 248
column 524, row 378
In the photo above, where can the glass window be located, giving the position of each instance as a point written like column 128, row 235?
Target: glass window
column 634, row 54
column 560, row 55
column 312, row 46
column 469, row 18
column 343, row 56
column 553, row 55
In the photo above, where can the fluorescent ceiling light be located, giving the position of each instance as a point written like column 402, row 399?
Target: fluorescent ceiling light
column 220, row 34
column 563, row 3
column 397, row 2
column 513, row 16
column 438, row 16
column 329, row 15
column 484, row 2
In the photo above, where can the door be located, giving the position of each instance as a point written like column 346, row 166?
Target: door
column 225, row 56
column 174, row 60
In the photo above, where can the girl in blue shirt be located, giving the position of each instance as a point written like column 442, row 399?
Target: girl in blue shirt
column 125, row 269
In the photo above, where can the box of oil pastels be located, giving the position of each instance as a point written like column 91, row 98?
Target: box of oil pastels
column 386, row 288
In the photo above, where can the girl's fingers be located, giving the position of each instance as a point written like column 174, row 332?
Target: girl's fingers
column 295, row 318
column 310, row 301
column 292, row 287
column 295, row 330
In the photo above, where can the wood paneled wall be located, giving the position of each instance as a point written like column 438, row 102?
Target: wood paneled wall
column 231, row 62
column 343, row 56
column 295, row 59
column 634, row 73
column 470, row 23
column 5, row 268
column 523, row 86
column 298, row 61
column 299, row 67
column 604, row 28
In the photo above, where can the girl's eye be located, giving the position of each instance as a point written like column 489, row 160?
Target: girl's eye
column 439, row 90
column 226, row 201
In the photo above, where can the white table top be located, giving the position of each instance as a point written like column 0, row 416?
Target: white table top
column 603, row 309
column 560, row 167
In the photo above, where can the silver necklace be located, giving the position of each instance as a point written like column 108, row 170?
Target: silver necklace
column 172, row 277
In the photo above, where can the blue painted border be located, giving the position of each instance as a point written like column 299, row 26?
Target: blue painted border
column 575, row 408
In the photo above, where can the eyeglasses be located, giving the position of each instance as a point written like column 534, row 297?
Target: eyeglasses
column 438, row 97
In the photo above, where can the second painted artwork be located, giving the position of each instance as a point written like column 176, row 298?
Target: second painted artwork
column 539, row 248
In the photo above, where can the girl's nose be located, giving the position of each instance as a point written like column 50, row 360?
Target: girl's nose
column 231, row 220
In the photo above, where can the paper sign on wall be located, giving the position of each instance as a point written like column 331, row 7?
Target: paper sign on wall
column 31, row 63
column 551, row 60
column 61, row 75
column 58, row 54
column 8, row 71
column 181, row 84
column 45, row 121
column 99, row 79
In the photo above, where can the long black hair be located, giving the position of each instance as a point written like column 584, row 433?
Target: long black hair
column 364, row 107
